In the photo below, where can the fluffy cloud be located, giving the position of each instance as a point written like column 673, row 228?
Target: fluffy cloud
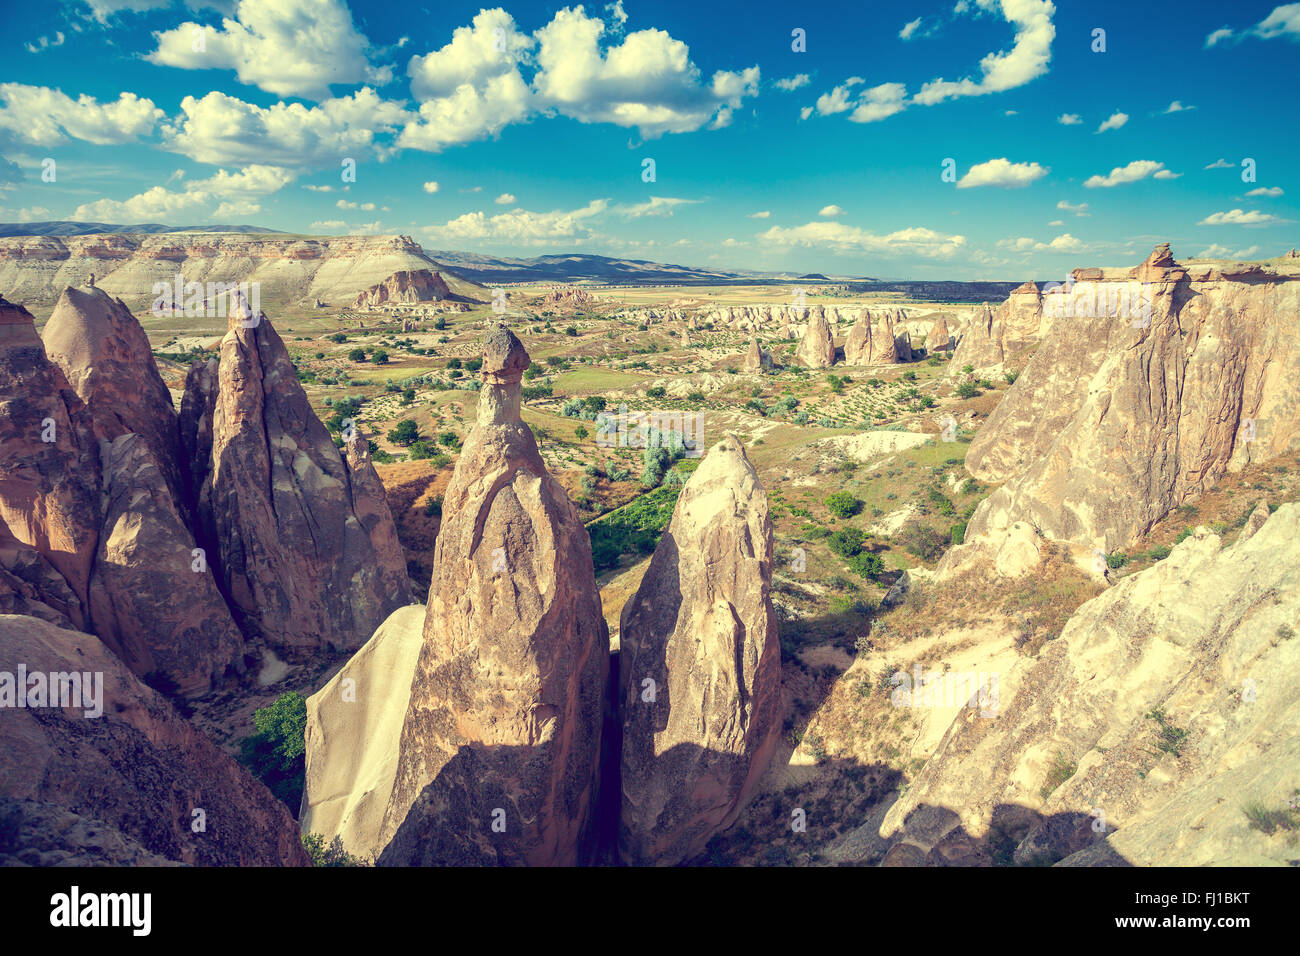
column 522, row 227
column 843, row 239
column 363, row 207
column 326, row 225
column 1114, row 121
column 1217, row 36
column 831, row 210
column 1002, row 172
column 505, row 199
column 431, row 187
column 286, row 47
column 1030, row 53
column 909, row 29
column 1081, row 209
column 1177, row 107
column 1069, row 119
column 235, row 194
column 45, row 43
column 1120, row 175
column 46, row 117
column 763, row 214
column 1221, row 164
column 1266, row 191
column 647, row 81
column 791, row 83
column 867, row 106
column 1238, row 217
column 222, row 129
column 1062, row 243
column 1216, row 251
column 1166, row 174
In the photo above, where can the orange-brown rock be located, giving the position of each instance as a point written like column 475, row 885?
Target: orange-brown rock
column 700, row 666
column 305, row 553
column 871, row 340
column 408, row 287
column 121, row 753
column 498, row 759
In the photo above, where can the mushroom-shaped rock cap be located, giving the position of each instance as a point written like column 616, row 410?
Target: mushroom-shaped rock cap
column 504, row 356
column 1161, row 256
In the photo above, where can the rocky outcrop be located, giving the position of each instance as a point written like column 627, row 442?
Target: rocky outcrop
column 153, row 599
column 302, row 543
column 120, row 752
column 938, row 339
column 757, row 358
column 700, row 668
column 816, row 348
column 498, row 759
column 354, row 724
column 49, row 472
column 408, row 287
column 871, row 340
column 574, row 298
column 1003, row 337
column 1153, row 763
column 1138, row 401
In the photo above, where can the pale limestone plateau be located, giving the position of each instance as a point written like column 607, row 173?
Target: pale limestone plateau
column 35, row 269
column 498, row 759
column 700, row 667
column 1168, row 699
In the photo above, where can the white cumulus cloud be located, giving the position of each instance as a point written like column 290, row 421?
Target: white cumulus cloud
column 1002, row 172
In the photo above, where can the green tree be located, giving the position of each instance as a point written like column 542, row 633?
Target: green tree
column 275, row 754
column 380, row 357
column 404, row 433
column 357, row 355
column 842, row 504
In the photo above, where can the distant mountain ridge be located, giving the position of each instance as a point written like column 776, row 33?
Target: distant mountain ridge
column 577, row 266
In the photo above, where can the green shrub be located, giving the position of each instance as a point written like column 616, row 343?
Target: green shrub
column 357, row 355
column 843, row 504
column 433, row 507
column 656, row 391
column 405, row 432
column 275, row 754
column 332, row 854
column 967, row 390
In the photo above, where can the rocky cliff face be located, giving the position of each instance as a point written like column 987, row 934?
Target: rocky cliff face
column 499, row 752
column 700, row 667
column 1126, row 412
column 408, row 287
column 817, row 347
column 306, row 553
column 35, row 269
column 1000, row 338
column 1154, row 762
column 138, row 766
column 49, row 472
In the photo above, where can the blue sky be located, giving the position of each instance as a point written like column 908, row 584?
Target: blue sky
column 524, row 129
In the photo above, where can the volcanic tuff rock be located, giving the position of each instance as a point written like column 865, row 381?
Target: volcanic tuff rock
column 49, row 494
column 702, row 628
column 138, row 767
column 301, row 539
column 756, row 358
column 504, row 724
column 1166, row 750
column 938, row 339
column 354, row 724
column 816, row 348
column 1120, row 418
column 407, row 287
column 871, row 340
column 994, row 338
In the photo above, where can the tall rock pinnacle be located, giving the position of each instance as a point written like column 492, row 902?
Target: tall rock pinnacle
column 700, row 666
column 498, row 755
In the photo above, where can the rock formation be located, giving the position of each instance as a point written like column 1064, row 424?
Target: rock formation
column 153, row 600
column 354, row 724
column 498, row 758
column 1148, row 764
column 1135, row 406
column 49, row 473
column 998, row 338
column 816, row 348
column 700, row 667
column 301, row 539
column 871, row 340
column 137, row 766
column 757, row 359
column 408, row 287
column 938, row 339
